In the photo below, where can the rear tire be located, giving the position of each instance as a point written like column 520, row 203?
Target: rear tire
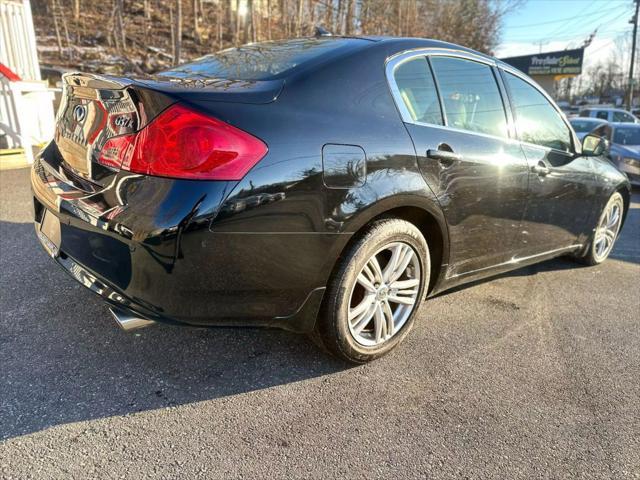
column 606, row 232
column 372, row 298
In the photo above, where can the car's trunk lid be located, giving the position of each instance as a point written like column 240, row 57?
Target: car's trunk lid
column 96, row 108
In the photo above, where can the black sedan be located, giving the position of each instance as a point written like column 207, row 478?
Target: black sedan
column 322, row 185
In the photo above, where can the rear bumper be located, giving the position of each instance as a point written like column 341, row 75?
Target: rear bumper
column 144, row 245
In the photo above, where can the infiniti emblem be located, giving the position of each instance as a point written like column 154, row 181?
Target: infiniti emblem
column 79, row 113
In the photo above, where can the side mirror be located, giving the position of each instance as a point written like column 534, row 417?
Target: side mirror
column 593, row 145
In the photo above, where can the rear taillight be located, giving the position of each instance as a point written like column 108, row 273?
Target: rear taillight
column 182, row 143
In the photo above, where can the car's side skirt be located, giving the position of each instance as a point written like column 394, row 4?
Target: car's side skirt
column 503, row 267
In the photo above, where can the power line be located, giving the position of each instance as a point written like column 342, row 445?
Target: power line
column 612, row 40
column 569, row 25
column 567, row 38
column 601, row 19
column 562, row 19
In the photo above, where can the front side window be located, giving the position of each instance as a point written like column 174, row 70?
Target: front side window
column 418, row 91
column 602, row 114
column 470, row 96
column 536, row 119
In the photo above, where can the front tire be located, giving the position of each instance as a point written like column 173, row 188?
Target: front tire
column 373, row 297
column 606, row 232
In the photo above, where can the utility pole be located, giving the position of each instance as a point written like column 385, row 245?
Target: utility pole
column 634, row 20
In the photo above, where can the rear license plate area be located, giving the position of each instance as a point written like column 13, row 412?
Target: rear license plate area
column 49, row 233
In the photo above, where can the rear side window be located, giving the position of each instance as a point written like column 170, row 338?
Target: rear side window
column 602, row 114
column 470, row 96
column 583, row 125
column 536, row 119
column 418, row 91
column 622, row 117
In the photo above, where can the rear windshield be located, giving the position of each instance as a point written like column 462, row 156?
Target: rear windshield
column 261, row 61
column 626, row 135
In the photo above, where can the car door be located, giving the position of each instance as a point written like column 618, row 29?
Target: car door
column 454, row 111
column 561, row 183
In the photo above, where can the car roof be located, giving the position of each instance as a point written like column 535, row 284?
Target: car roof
column 418, row 42
column 613, row 109
column 589, row 119
column 625, row 124
column 433, row 43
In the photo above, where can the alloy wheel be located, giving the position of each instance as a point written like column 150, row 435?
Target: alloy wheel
column 607, row 230
column 384, row 294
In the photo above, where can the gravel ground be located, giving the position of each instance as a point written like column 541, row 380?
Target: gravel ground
column 532, row 374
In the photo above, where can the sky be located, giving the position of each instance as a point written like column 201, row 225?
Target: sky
column 561, row 24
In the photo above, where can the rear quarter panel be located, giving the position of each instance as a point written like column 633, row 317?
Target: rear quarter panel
column 294, row 226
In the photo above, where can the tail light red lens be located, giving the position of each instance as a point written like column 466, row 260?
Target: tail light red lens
column 182, row 143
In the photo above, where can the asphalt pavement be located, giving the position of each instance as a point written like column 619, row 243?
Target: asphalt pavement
column 533, row 374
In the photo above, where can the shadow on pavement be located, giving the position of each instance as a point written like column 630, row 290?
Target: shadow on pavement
column 64, row 359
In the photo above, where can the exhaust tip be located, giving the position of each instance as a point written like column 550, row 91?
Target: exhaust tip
column 127, row 321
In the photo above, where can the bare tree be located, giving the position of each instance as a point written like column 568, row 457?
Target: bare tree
column 178, row 33
column 216, row 24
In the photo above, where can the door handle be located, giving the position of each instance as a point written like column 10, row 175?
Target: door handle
column 443, row 156
column 541, row 169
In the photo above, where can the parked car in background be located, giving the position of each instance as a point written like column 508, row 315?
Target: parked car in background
column 624, row 147
column 585, row 125
column 322, row 185
column 570, row 111
column 609, row 114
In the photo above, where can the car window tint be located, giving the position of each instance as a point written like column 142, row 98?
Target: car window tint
column 627, row 136
column 262, row 61
column 602, row 114
column 622, row 117
column 418, row 91
column 536, row 119
column 583, row 125
column 470, row 96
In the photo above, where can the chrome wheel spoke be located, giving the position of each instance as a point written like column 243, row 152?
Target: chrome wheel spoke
column 609, row 235
column 366, row 283
column 600, row 245
column 403, row 284
column 397, row 298
column 607, row 231
column 375, row 267
column 357, row 311
column 396, row 253
column 404, row 263
column 605, row 220
column 388, row 288
column 614, row 215
column 388, row 315
column 380, row 324
column 364, row 318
